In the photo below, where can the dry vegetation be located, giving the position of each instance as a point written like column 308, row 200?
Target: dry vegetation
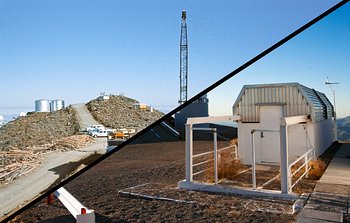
column 71, row 142
column 15, row 163
column 228, row 167
column 232, row 170
column 317, row 169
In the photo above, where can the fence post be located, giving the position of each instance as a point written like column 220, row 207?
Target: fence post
column 253, row 160
column 285, row 180
column 189, row 153
column 235, row 148
column 307, row 165
column 215, row 156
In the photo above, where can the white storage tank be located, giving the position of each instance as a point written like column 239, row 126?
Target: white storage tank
column 42, row 105
column 57, row 105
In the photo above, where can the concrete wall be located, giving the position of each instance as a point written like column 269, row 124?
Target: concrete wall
column 301, row 138
column 244, row 142
column 323, row 135
column 298, row 140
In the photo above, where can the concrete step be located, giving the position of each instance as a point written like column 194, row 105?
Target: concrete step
column 310, row 216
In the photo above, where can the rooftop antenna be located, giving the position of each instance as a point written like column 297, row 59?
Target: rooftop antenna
column 183, row 60
column 332, row 87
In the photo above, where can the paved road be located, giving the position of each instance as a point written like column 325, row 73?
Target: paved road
column 330, row 198
column 21, row 191
column 84, row 116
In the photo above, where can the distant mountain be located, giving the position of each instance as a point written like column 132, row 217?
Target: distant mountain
column 7, row 118
column 343, row 125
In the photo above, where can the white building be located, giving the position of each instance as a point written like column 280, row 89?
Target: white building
column 261, row 108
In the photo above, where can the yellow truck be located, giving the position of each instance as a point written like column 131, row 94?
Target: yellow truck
column 121, row 134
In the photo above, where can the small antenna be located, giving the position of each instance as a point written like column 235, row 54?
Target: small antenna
column 331, row 86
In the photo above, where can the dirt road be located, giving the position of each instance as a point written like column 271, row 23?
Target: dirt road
column 54, row 166
column 84, row 116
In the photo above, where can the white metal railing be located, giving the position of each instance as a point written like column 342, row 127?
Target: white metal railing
column 216, row 156
column 306, row 158
column 254, row 152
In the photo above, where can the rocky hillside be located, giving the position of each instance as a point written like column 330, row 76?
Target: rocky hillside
column 44, row 129
column 38, row 128
column 119, row 112
column 343, row 125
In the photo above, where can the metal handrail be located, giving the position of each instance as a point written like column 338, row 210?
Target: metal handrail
column 304, row 165
column 209, row 153
column 297, row 160
column 201, row 163
column 202, row 154
column 219, row 150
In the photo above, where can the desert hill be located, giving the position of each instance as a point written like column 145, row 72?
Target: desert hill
column 343, row 125
column 45, row 128
column 120, row 112
column 38, row 128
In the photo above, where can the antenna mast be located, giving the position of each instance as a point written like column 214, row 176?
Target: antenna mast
column 183, row 60
column 332, row 87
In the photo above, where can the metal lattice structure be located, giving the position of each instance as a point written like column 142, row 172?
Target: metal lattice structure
column 183, row 60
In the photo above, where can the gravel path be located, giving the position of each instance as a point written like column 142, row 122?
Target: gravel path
column 53, row 167
column 84, row 117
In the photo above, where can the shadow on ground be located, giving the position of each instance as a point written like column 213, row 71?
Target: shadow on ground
column 71, row 219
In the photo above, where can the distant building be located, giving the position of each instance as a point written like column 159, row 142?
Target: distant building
column 199, row 108
column 103, row 96
column 140, row 106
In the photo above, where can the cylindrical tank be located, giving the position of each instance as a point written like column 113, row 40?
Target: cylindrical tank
column 42, row 105
column 57, row 105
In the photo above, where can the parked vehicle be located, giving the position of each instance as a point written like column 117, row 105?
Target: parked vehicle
column 121, row 134
column 100, row 133
column 95, row 127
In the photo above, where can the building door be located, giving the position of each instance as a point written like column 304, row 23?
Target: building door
column 270, row 119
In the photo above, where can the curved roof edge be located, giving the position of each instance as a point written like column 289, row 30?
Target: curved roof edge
column 321, row 107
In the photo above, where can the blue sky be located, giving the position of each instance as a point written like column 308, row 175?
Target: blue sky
column 320, row 51
column 73, row 50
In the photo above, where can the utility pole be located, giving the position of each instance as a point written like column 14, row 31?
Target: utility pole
column 183, row 60
column 331, row 86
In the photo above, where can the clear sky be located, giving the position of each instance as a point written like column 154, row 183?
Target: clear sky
column 73, row 50
column 320, row 51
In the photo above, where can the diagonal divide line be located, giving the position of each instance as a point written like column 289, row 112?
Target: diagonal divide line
column 205, row 91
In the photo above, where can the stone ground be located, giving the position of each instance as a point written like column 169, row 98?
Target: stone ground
column 158, row 166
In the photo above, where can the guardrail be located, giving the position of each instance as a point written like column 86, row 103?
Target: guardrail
column 305, row 157
column 79, row 211
column 234, row 152
column 215, row 153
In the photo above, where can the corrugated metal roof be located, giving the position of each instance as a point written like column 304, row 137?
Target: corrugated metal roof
column 296, row 99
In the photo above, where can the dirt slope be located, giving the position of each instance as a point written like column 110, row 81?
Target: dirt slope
column 118, row 112
column 38, row 128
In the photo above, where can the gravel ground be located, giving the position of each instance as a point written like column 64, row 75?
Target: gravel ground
column 38, row 128
column 158, row 164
